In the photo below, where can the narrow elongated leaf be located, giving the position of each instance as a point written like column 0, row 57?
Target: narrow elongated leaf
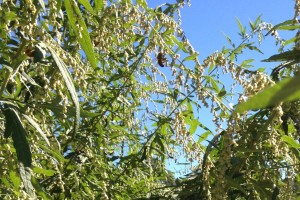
column 204, row 136
column 285, row 56
column 291, row 141
column 18, row 133
column 286, row 90
column 193, row 126
column 240, row 25
column 52, row 153
column 99, row 5
column 42, row 3
column 82, row 33
column 8, row 123
column 46, row 172
column 283, row 24
column 15, row 179
column 69, row 83
column 87, row 5
column 37, row 127
column 25, row 173
column 191, row 57
column 39, row 190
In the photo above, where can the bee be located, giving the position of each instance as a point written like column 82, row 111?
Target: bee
column 161, row 59
column 29, row 52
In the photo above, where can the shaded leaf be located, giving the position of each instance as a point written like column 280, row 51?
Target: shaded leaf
column 37, row 127
column 18, row 133
column 222, row 92
column 285, row 56
column 52, row 153
column 25, row 173
column 39, row 190
column 71, row 88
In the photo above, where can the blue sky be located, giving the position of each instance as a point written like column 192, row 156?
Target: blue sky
column 205, row 22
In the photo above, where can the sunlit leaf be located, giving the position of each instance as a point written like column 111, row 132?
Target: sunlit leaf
column 46, row 172
column 15, row 179
column 204, row 136
column 286, row 90
column 75, row 19
column 193, row 126
column 291, row 141
column 284, row 26
column 99, row 5
column 87, row 5
column 191, row 57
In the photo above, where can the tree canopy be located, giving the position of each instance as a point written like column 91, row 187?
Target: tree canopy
column 98, row 96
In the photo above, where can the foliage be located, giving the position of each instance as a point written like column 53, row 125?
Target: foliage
column 88, row 112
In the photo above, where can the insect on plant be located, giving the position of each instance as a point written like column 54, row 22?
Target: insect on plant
column 161, row 59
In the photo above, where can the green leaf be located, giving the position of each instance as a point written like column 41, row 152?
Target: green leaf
column 242, row 149
column 99, row 5
column 87, row 5
column 75, row 19
column 251, row 47
column 52, row 153
column 5, row 182
column 242, row 29
column 285, row 56
column 18, row 134
column 235, row 184
column 15, row 179
column 286, row 90
column 71, row 88
column 8, row 123
column 10, row 16
column 255, row 23
column 39, row 190
column 204, row 136
column 142, row 3
column 37, row 127
column 222, row 92
column 191, row 57
column 286, row 23
column 229, row 40
column 161, row 145
column 47, row 172
column 291, row 141
column 246, row 62
column 25, row 173
column 193, row 126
